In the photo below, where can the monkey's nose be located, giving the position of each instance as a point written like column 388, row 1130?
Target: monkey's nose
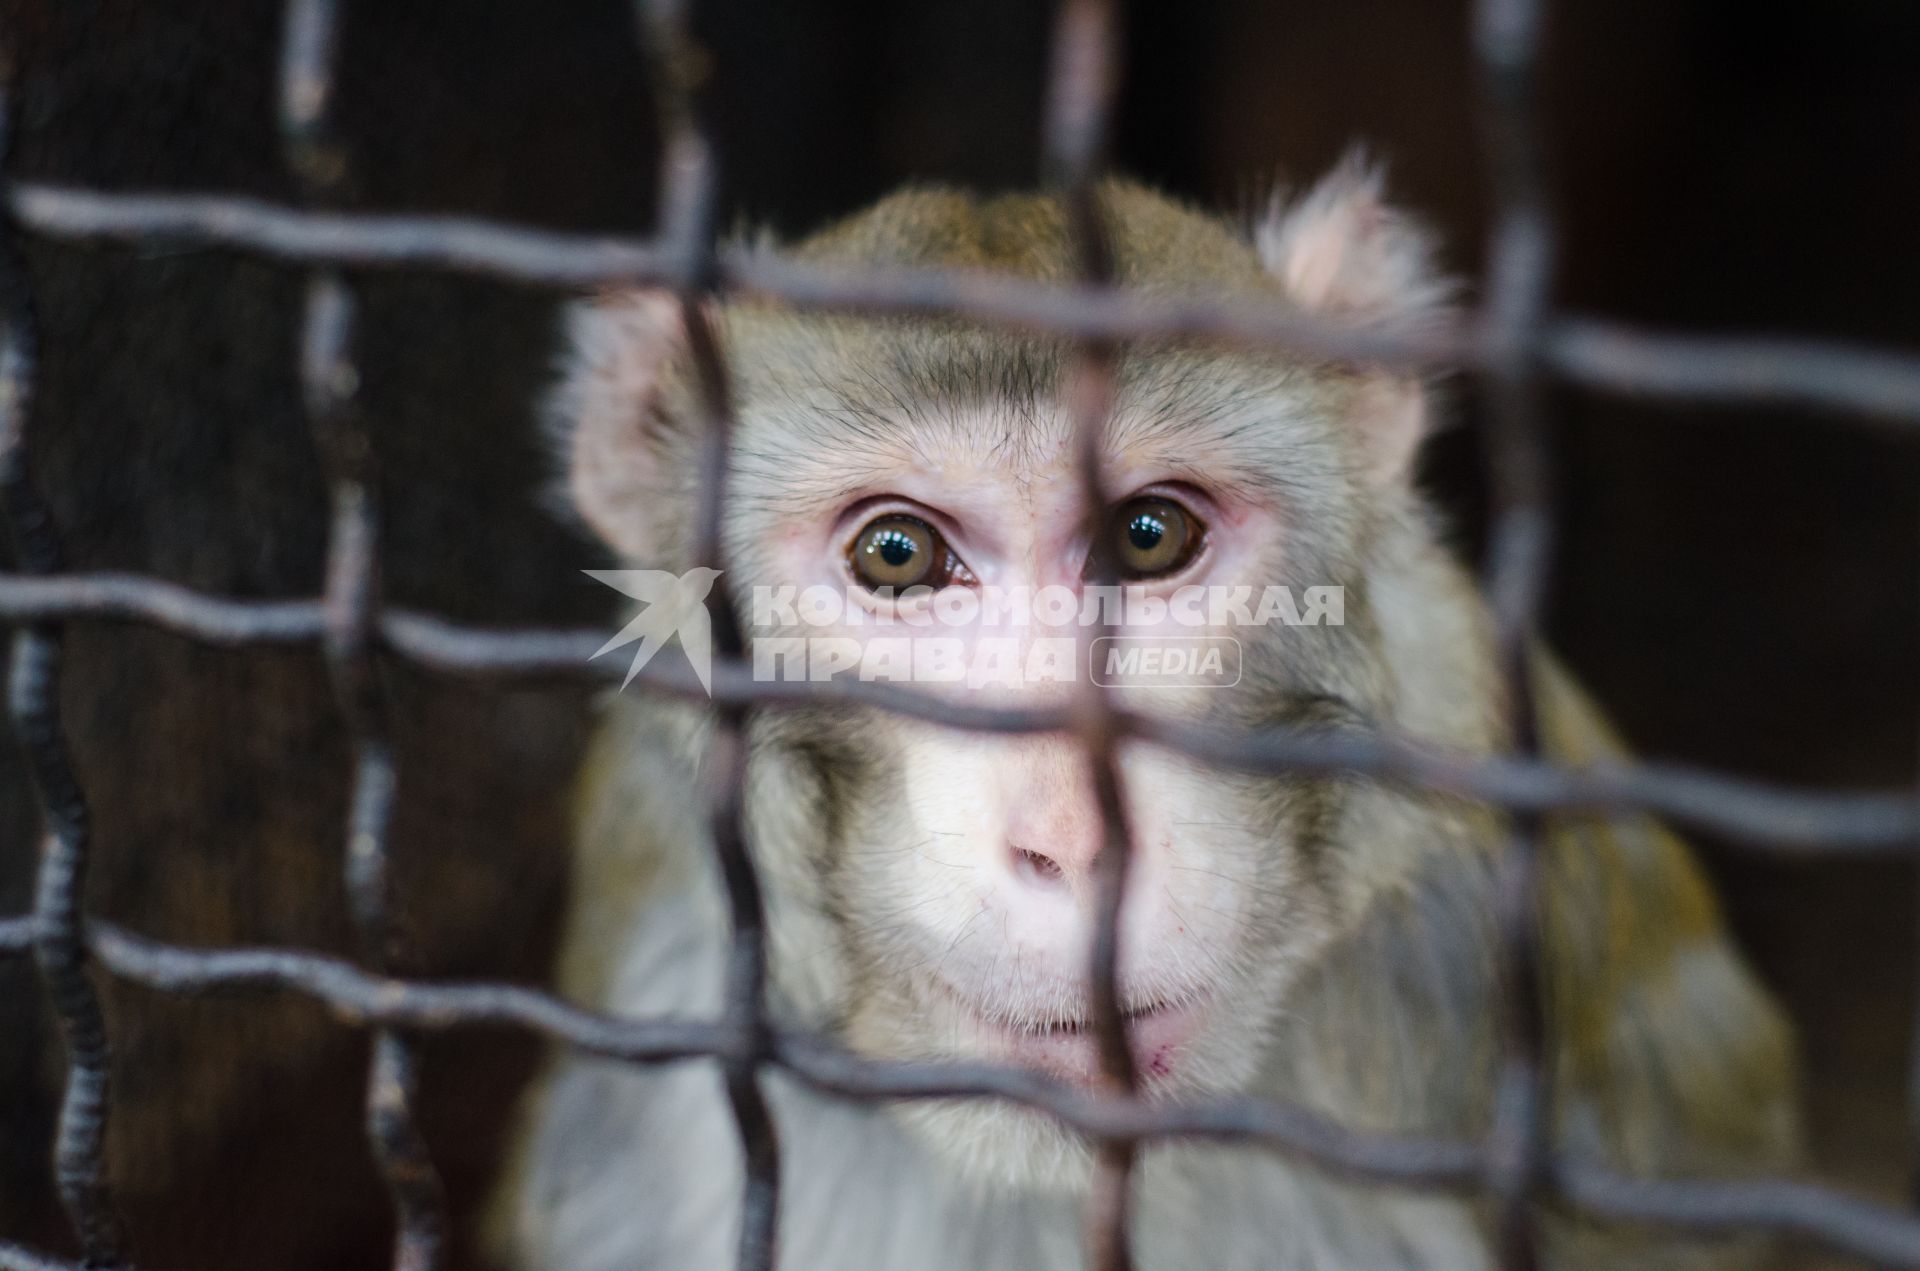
column 1037, row 869
column 1050, row 826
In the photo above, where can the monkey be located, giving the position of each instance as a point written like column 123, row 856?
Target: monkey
column 1322, row 941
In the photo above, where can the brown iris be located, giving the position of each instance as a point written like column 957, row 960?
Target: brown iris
column 1154, row 537
column 897, row 551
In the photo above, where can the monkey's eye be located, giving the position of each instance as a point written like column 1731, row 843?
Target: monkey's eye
column 1154, row 537
column 897, row 551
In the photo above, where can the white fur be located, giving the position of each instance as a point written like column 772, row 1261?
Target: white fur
column 642, row 1171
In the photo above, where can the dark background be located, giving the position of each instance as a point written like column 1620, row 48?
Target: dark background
column 1738, row 586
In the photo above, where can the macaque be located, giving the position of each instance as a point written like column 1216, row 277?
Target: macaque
column 1326, row 942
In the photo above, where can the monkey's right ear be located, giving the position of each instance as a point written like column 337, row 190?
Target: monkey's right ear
column 1341, row 249
column 606, row 412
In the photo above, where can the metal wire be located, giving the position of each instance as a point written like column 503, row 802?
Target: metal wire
column 330, row 386
column 1515, row 342
column 1079, row 106
column 1868, row 386
column 688, row 183
column 1506, row 46
column 33, row 702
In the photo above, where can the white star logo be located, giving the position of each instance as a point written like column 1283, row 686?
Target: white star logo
column 676, row 604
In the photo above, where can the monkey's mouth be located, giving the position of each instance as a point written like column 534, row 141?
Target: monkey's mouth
column 1076, row 1026
column 1158, row 1033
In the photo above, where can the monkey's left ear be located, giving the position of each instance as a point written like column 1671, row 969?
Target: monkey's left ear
column 1341, row 250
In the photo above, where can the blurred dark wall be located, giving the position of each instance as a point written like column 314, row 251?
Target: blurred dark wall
column 1737, row 586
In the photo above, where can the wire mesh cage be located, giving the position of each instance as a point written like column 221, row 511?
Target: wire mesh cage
column 1514, row 344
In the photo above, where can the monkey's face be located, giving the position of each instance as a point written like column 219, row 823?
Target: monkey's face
column 937, row 887
column 904, row 505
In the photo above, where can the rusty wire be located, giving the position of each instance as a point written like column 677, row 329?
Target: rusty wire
column 1516, row 342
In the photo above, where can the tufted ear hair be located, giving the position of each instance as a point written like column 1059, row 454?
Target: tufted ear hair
column 1342, row 250
column 605, row 413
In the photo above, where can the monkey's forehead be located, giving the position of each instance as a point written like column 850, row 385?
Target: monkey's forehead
column 1157, row 241
column 863, row 372
column 832, row 408
column 866, row 370
column 895, row 364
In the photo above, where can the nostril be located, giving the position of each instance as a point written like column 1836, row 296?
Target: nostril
column 1035, row 867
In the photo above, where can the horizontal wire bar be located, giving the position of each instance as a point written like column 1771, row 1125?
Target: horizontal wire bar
column 363, row 999
column 1405, row 1160
column 182, row 611
column 1835, row 1219
column 1877, row 1233
column 1789, row 821
column 1876, row 386
column 14, row 1257
column 299, row 237
column 1733, row 369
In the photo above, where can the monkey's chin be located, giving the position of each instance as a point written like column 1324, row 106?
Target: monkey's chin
column 1001, row 1147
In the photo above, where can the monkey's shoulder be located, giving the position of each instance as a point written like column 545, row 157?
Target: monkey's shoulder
column 1670, row 1048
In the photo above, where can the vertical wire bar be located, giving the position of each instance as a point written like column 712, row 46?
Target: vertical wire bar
column 1506, row 43
column 33, row 699
column 1081, row 87
column 679, row 68
column 330, row 383
column 1913, row 1058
